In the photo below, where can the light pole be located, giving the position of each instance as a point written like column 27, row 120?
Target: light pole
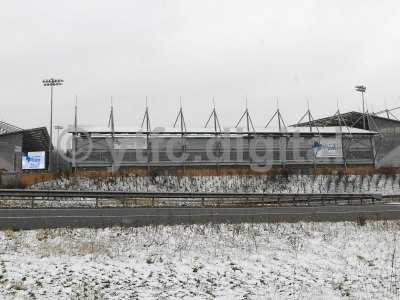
column 51, row 83
column 362, row 89
column 58, row 128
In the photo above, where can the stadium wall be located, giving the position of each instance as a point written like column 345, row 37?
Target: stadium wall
column 388, row 143
column 10, row 152
column 167, row 151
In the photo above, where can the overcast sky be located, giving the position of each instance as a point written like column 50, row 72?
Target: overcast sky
column 230, row 50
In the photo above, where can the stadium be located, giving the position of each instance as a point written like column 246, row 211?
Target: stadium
column 304, row 144
column 342, row 139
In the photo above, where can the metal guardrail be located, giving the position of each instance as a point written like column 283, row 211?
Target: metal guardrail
column 389, row 198
column 115, row 194
column 178, row 199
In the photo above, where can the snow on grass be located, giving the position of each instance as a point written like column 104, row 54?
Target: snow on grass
column 226, row 261
column 378, row 183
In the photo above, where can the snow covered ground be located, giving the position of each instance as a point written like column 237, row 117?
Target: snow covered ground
column 379, row 183
column 242, row 261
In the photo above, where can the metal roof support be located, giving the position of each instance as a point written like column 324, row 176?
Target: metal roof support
column 249, row 122
column 341, row 121
column 7, row 128
column 214, row 117
column 146, row 119
column 76, row 115
column 283, row 143
column 375, row 149
column 370, row 120
column 111, row 122
column 394, row 117
column 356, row 121
column 278, row 116
column 180, row 118
column 310, row 120
column 388, row 112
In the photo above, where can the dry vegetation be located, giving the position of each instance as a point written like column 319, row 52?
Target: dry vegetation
column 241, row 261
column 297, row 183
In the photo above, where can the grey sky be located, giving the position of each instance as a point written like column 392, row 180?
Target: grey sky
column 292, row 50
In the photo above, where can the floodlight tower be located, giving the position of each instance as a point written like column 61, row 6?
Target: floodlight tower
column 51, row 83
column 58, row 128
column 362, row 89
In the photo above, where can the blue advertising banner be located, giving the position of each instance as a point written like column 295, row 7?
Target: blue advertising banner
column 34, row 160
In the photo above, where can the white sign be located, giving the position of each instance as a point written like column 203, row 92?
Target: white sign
column 328, row 147
column 34, row 161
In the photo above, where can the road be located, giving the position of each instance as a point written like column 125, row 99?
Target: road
column 102, row 217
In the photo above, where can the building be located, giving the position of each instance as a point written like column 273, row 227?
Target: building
column 16, row 143
column 241, row 146
column 96, row 147
column 386, row 142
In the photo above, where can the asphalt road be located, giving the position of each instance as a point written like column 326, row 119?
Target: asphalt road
column 102, row 217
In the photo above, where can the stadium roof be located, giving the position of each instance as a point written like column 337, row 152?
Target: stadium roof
column 209, row 131
column 7, row 128
column 351, row 119
column 35, row 139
